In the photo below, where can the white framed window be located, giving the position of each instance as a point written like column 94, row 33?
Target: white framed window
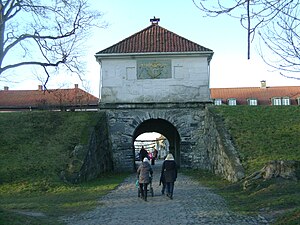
column 218, row 101
column 231, row 101
column 286, row 101
column 252, row 101
column 298, row 100
column 276, row 101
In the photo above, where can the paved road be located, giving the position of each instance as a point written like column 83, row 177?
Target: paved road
column 192, row 204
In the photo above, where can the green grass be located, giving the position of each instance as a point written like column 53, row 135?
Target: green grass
column 35, row 148
column 278, row 200
column 53, row 200
column 261, row 134
column 34, row 142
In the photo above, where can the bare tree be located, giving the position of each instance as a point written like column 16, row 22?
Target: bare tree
column 281, row 37
column 44, row 33
column 276, row 23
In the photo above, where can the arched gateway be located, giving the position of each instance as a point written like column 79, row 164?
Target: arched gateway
column 165, row 128
column 156, row 81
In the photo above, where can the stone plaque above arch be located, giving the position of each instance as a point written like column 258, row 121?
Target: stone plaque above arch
column 154, row 69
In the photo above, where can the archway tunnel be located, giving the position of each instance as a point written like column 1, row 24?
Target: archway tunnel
column 164, row 128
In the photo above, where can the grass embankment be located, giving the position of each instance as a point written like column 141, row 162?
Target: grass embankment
column 262, row 134
column 35, row 148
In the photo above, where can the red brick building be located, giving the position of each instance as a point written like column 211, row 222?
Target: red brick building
column 263, row 95
column 50, row 99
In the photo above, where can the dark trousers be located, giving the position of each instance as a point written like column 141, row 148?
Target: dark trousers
column 152, row 161
column 163, row 188
column 170, row 188
column 143, row 189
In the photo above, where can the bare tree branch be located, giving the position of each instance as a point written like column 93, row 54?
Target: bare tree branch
column 50, row 33
column 276, row 22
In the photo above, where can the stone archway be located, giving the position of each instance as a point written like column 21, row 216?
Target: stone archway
column 181, row 123
column 166, row 129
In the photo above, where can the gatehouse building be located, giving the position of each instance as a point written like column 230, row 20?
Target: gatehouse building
column 156, row 81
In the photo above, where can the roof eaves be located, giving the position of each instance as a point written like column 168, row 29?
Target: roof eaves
column 156, row 54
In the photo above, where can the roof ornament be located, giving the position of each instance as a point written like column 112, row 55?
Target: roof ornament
column 154, row 20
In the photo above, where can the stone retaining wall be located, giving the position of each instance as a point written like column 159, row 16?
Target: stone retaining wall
column 202, row 141
column 222, row 154
column 87, row 162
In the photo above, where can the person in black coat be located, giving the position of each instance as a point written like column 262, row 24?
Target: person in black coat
column 169, row 173
column 143, row 153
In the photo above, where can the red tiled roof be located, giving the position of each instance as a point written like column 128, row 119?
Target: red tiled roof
column 53, row 98
column 262, row 94
column 154, row 39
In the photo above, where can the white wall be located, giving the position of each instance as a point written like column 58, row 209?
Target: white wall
column 189, row 82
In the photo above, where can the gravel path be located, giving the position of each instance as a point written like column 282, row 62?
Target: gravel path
column 191, row 204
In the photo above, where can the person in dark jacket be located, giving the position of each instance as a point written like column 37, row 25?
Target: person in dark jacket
column 143, row 153
column 144, row 174
column 154, row 156
column 169, row 173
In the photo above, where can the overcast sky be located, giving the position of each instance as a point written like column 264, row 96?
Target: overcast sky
column 223, row 35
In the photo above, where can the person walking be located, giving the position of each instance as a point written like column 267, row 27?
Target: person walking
column 143, row 153
column 144, row 174
column 169, row 173
column 154, row 156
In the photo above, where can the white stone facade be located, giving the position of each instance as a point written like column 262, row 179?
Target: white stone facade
column 188, row 80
